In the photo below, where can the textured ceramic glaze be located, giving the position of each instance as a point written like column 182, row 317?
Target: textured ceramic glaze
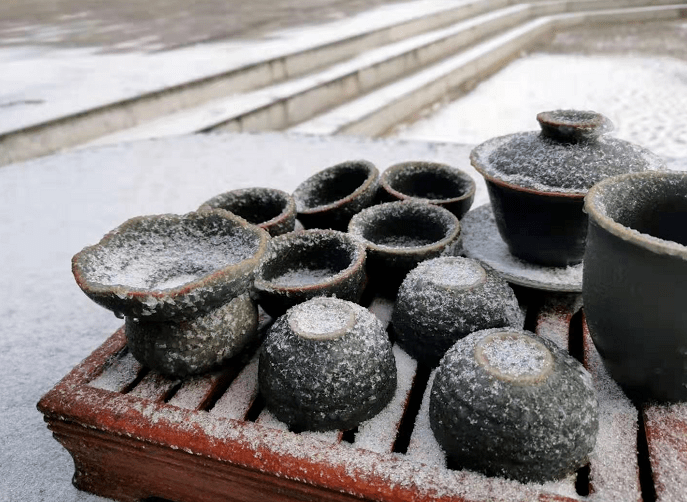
column 329, row 198
column 432, row 182
column 445, row 299
column 270, row 209
column 537, row 181
column 303, row 265
column 509, row 403
column 171, row 266
column 326, row 364
column 399, row 235
column 195, row 345
column 635, row 282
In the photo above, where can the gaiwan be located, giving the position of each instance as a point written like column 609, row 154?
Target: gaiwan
column 326, row 364
column 182, row 282
column 506, row 402
column 537, row 181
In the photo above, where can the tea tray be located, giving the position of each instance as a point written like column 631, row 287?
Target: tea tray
column 135, row 435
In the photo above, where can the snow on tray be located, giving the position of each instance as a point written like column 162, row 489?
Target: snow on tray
column 238, row 398
column 119, row 374
column 194, row 391
column 379, row 433
column 666, row 429
column 614, row 471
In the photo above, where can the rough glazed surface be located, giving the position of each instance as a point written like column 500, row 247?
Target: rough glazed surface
column 445, row 299
column 197, row 345
column 532, row 160
column 171, row 266
column 269, row 208
column 326, row 364
column 329, row 198
column 300, row 266
column 510, row 403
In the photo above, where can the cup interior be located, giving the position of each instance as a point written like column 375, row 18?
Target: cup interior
column 403, row 229
column 652, row 204
column 255, row 206
column 303, row 261
column 429, row 182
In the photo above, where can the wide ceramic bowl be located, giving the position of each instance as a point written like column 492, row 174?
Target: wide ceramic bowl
column 193, row 346
column 326, row 364
column 171, row 266
column 445, row 299
column 399, row 235
column 329, row 198
column 270, row 209
column 537, row 181
column 303, row 265
column 508, row 403
column 433, row 182
column 635, row 282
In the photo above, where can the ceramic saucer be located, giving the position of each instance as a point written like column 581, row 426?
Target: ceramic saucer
column 480, row 239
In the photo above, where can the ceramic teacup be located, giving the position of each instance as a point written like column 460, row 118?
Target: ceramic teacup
column 635, row 281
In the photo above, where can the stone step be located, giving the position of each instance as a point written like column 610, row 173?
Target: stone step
column 376, row 113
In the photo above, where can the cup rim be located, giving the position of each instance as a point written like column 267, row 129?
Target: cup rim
column 593, row 206
column 372, row 177
column 421, row 164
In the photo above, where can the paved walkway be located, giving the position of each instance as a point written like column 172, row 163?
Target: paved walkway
column 160, row 24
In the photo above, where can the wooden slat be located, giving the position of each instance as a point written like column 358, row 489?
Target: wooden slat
column 666, row 434
column 119, row 374
column 614, row 469
column 196, row 390
column 553, row 321
column 238, row 398
column 423, row 447
column 379, row 433
column 154, row 387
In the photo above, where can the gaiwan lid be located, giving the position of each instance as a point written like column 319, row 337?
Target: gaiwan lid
column 569, row 155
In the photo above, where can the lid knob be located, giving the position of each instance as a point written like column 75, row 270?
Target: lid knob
column 572, row 126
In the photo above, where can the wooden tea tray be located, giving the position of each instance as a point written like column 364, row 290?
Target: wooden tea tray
column 135, row 435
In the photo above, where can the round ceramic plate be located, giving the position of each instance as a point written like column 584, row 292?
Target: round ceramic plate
column 480, row 239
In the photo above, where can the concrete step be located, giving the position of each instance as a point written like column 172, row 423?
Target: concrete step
column 282, row 105
column 376, row 113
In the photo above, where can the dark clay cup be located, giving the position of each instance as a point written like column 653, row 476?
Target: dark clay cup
column 432, row 182
column 270, row 209
column 329, row 198
column 399, row 235
column 300, row 266
column 170, row 267
column 635, row 281
column 197, row 345
column 539, row 227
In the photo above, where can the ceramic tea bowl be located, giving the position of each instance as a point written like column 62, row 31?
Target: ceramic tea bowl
column 537, row 181
column 329, row 198
column 193, row 346
column 270, row 209
column 166, row 267
column 445, row 299
column 508, row 403
column 303, row 265
column 399, row 235
column 432, row 182
column 326, row 364
column 635, row 282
